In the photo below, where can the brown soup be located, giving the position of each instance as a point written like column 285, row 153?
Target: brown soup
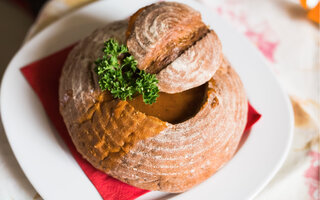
column 173, row 108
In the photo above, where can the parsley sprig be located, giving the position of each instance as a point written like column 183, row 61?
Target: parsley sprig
column 118, row 73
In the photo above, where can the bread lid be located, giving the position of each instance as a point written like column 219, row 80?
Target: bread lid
column 170, row 40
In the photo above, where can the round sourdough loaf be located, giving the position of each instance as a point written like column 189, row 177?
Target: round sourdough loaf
column 143, row 150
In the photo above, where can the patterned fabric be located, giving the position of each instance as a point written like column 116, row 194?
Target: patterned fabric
column 290, row 44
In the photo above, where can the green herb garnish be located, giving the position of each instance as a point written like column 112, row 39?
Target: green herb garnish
column 118, row 73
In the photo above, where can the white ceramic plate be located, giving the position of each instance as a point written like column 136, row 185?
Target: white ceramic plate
column 54, row 173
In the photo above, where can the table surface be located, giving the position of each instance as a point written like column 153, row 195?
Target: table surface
column 281, row 32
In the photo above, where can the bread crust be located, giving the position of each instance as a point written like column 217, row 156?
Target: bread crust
column 194, row 67
column 159, row 33
column 142, row 150
column 171, row 40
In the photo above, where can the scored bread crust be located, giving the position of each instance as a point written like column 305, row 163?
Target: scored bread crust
column 142, row 150
column 194, row 67
column 173, row 36
column 158, row 33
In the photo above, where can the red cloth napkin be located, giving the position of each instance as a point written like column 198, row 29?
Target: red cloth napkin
column 43, row 76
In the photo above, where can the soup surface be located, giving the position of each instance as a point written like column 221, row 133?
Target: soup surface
column 173, row 108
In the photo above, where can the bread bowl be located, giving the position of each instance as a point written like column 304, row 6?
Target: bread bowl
column 171, row 145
